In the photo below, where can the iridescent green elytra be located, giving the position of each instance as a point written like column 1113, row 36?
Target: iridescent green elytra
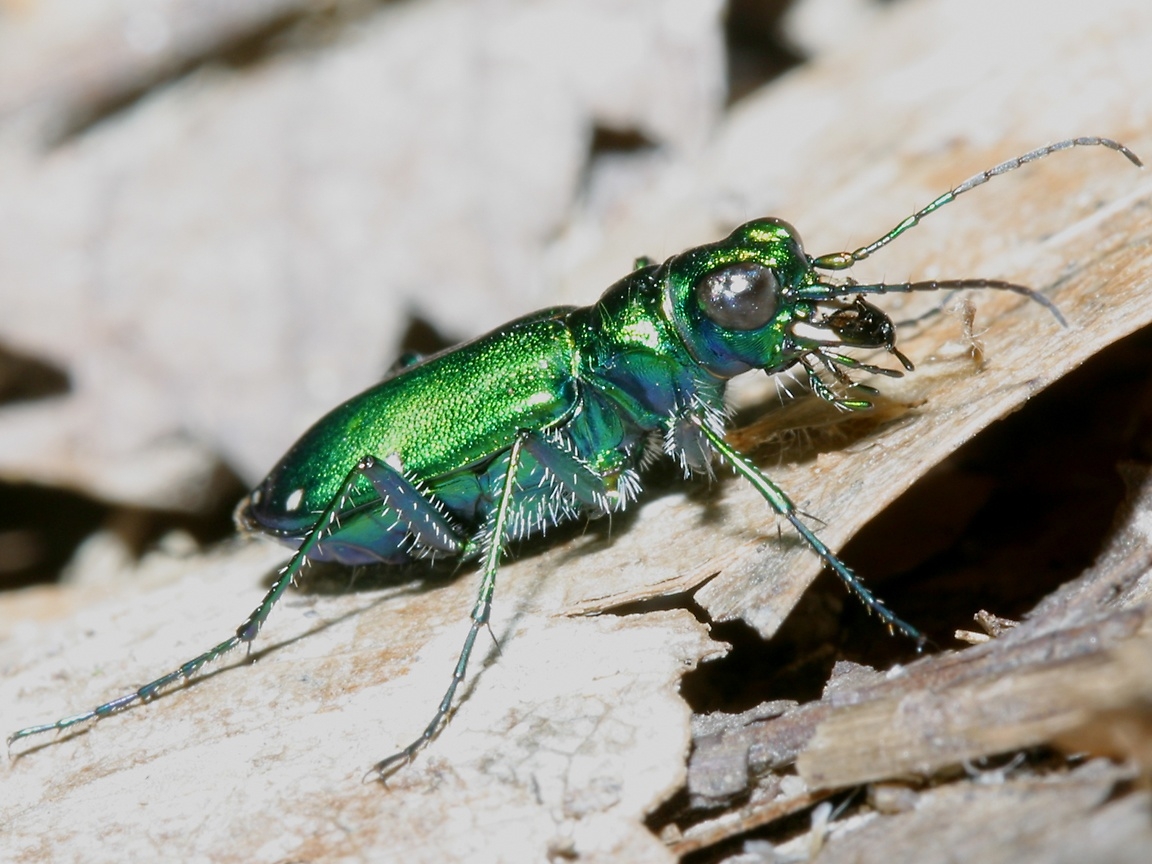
column 551, row 416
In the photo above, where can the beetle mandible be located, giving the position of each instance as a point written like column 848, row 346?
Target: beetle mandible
column 550, row 417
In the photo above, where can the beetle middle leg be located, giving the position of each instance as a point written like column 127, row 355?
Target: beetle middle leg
column 495, row 532
column 570, row 474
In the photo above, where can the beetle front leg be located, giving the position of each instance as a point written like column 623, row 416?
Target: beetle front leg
column 495, row 532
column 783, row 505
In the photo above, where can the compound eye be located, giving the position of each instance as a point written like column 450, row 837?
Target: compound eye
column 740, row 296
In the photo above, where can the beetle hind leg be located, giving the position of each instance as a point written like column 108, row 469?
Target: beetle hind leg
column 427, row 522
column 328, row 521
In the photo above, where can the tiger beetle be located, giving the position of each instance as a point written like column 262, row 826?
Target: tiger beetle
column 551, row 417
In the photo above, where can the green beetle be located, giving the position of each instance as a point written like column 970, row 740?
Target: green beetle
column 552, row 416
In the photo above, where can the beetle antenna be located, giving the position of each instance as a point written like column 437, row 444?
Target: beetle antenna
column 844, row 260
column 821, row 291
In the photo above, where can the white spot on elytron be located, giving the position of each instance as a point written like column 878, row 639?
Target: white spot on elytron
column 294, row 500
column 392, row 460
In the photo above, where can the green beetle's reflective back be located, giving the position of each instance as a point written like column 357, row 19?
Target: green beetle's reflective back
column 440, row 421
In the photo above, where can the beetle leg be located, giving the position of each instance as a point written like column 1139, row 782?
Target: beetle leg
column 495, row 533
column 427, row 524
column 246, row 632
column 826, row 393
column 783, row 505
column 571, row 472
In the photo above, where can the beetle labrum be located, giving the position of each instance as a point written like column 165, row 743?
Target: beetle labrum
column 551, row 416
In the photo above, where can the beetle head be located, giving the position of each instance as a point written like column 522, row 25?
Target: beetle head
column 756, row 300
